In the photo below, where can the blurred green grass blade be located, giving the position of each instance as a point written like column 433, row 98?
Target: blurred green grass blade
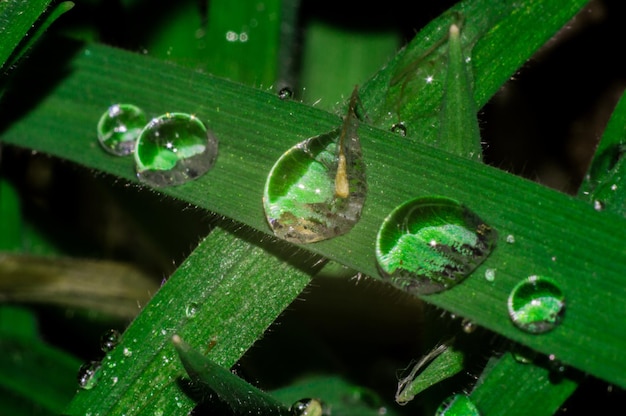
column 99, row 287
column 241, row 396
column 10, row 217
column 242, row 39
column 23, row 22
column 510, row 387
column 341, row 395
column 410, row 88
column 335, row 59
column 30, row 369
column 231, row 288
column 554, row 234
column 604, row 185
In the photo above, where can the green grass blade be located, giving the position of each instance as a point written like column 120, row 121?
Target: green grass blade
column 28, row 365
column 10, row 217
column 230, row 288
column 511, row 387
column 554, row 233
column 240, row 395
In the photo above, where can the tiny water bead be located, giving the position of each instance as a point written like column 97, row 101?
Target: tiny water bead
column 316, row 190
column 285, row 93
column 399, row 128
column 536, row 305
column 308, row 407
column 191, row 309
column 109, row 340
column 430, row 244
column 119, row 128
column 457, row 405
column 88, row 375
column 174, row 148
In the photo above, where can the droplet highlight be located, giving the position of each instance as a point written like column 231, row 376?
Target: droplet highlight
column 431, row 244
column 316, row 190
column 173, row 149
column 88, row 375
column 457, row 405
column 119, row 127
column 536, row 305
column 110, row 339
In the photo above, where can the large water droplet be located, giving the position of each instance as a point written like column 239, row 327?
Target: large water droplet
column 457, row 405
column 88, row 375
column 307, row 407
column 316, row 189
column 430, row 244
column 173, row 149
column 119, row 128
column 110, row 339
column 536, row 305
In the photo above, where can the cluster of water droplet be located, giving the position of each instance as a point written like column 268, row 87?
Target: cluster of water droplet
column 89, row 373
column 170, row 149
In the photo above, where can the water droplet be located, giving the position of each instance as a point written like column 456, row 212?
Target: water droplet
column 109, row 340
column 127, row 352
column 285, row 93
column 119, row 128
column 457, row 405
column 307, row 407
column 399, row 128
column 88, row 375
column 430, row 244
column 490, row 275
column 468, row 326
column 510, row 239
column 536, row 305
column 191, row 310
column 316, row 189
column 598, row 205
column 173, row 149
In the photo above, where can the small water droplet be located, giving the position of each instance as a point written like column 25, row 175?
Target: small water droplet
column 490, row 275
column 127, row 352
column 510, row 239
column 536, row 305
column 110, row 339
column 191, row 310
column 285, row 93
column 468, row 326
column 88, row 375
column 316, row 189
column 430, row 244
column 308, row 407
column 598, row 205
column 399, row 128
column 173, row 149
column 457, row 405
column 119, row 128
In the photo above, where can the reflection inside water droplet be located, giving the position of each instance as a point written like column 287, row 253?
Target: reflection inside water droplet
column 316, row 189
column 173, row 149
column 285, row 93
column 430, row 244
column 88, row 375
column 536, row 305
column 119, row 127
column 110, row 339
column 457, row 405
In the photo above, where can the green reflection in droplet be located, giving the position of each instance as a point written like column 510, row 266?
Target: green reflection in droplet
column 173, row 149
column 119, row 127
column 316, row 190
column 457, row 405
column 536, row 305
column 430, row 244
column 307, row 407
column 89, row 374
